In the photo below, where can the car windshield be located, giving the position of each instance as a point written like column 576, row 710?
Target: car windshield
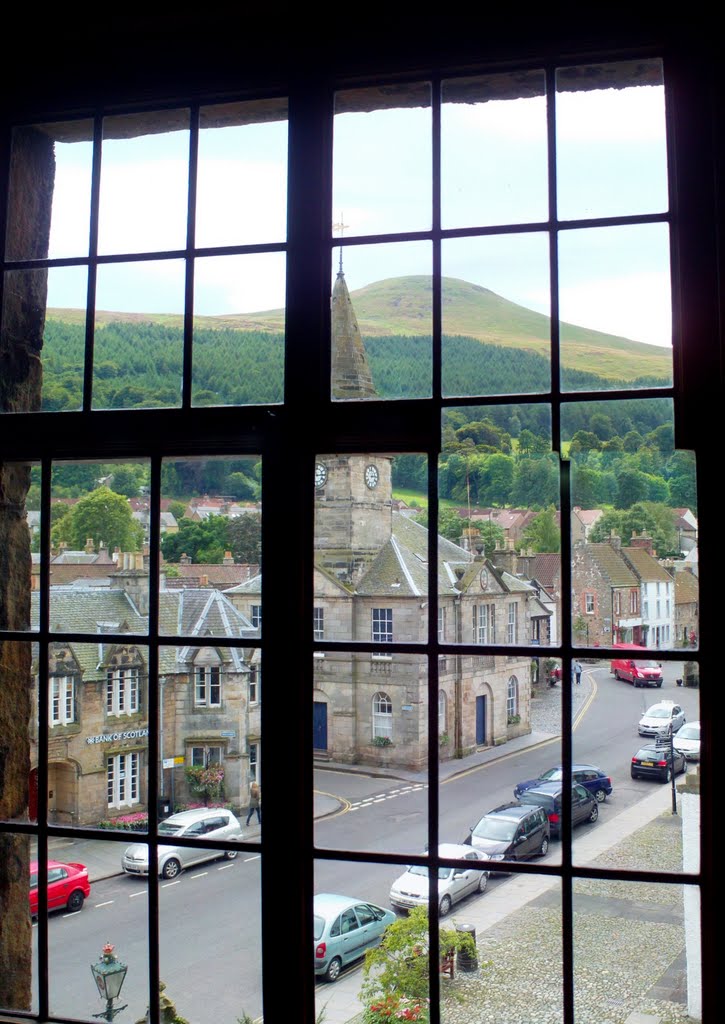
column 689, row 732
column 659, row 713
column 166, row 828
column 647, row 664
column 495, row 828
column 553, row 775
column 421, row 869
column 648, row 754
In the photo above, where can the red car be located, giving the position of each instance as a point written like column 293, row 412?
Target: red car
column 68, row 886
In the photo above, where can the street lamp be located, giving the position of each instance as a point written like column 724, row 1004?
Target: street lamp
column 109, row 975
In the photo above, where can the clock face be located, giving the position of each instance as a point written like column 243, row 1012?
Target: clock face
column 483, row 579
column 320, row 474
column 371, row 476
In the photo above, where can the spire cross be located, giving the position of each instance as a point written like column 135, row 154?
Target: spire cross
column 340, row 226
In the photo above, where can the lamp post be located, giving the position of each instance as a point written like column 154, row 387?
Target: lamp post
column 109, row 975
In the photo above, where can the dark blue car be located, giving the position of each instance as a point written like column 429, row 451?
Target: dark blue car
column 594, row 779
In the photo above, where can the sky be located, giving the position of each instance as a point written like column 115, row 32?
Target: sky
column 611, row 161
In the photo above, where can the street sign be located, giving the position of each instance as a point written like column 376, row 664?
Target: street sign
column 168, row 762
column 228, row 734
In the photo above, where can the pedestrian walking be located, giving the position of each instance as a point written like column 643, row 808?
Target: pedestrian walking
column 255, row 802
column 577, row 672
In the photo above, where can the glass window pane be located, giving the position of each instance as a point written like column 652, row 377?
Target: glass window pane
column 239, row 324
column 382, row 161
column 610, row 140
column 241, row 194
column 496, row 315
column 144, row 182
column 381, row 332
column 138, row 335
column 615, row 308
column 63, row 150
column 211, row 547
column 371, row 710
column 99, row 573
column 493, row 150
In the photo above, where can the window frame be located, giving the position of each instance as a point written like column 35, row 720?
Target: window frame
column 309, row 101
column 123, row 692
column 207, row 680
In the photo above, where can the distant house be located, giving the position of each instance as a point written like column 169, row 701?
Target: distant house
column 687, row 604
column 686, row 526
column 583, row 522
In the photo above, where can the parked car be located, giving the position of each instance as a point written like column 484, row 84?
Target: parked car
column 411, row 889
column 687, row 741
column 661, row 718
column 68, row 886
column 344, row 928
column 215, row 823
column 638, row 672
column 548, row 795
column 511, row 832
column 653, row 762
column 592, row 778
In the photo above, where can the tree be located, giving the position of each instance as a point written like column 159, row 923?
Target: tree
column 542, row 533
column 399, row 966
column 105, row 517
column 202, row 542
column 632, row 487
column 244, row 535
column 127, row 480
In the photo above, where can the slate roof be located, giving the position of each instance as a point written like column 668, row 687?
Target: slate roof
column 76, row 609
column 219, row 575
column 687, row 590
column 611, row 564
column 646, row 567
column 401, row 566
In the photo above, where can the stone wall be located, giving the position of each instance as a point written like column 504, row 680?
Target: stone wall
column 21, row 333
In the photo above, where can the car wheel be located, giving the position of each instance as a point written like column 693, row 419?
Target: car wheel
column 667, row 777
column 445, row 906
column 483, row 882
column 231, row 854
column 633, row 774
column 594, row 813
column 600, row 796
column 659, row 685
column 333, row 969
column 75, row 900
column 544, row 848
column 171, row 868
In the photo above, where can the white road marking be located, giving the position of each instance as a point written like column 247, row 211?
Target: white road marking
column 248, row 859
column 106, row 904
column 73, row 913
column 165, row 885
column 202, row 874
column 224, row 867
column 132, row 894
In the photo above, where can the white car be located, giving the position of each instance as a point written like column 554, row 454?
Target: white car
column 661, row 718
column 215, row 823
column 411, row 889
column 687, row 741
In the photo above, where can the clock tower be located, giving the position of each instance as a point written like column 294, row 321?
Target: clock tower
column 353, row 493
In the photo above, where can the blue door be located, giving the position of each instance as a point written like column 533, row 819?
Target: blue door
column 319, row 726
column 480, row 720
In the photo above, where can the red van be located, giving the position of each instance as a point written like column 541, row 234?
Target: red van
column 639, row 673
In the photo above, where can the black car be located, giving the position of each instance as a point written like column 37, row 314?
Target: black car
column 657, row 762
column 511, row 832
column 548, row 795
column 588, row 775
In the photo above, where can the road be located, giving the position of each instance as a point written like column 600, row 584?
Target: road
column 217, row 905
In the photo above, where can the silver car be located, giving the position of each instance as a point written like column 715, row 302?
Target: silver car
column 661, row 719
column 215, row 823
column 411, row 889
column 344, row 929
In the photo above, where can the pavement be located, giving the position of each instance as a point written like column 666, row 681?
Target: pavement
column 340, row 1000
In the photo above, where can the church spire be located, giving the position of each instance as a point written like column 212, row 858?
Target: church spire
column 351, row 377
